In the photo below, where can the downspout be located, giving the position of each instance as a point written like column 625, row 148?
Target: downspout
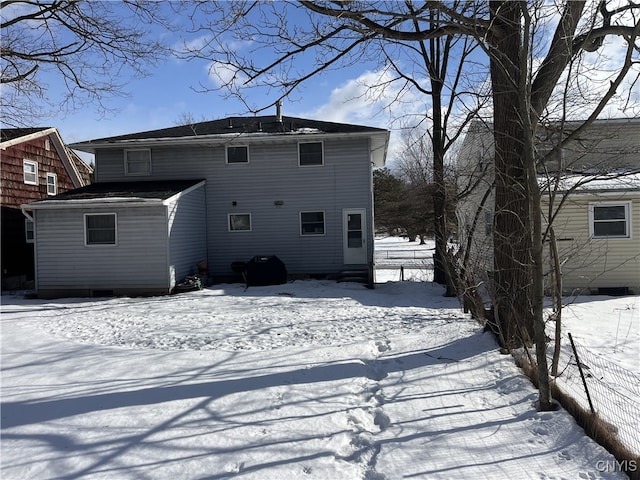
column 30, row 217
column 26, row 214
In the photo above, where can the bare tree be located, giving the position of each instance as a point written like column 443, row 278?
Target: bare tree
column 342, row 33
column 434, row 67
column 90, row 50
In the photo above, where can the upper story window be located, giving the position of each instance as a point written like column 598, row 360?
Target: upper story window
column 52, row 184
column 137, row 162
column 100, row 229
column 610, row 220
column 30, row 170
column 311, row 223
column 237, row 154
column 310, row 154
column 239, row 222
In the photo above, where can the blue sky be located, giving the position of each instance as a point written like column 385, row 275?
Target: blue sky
column 172, row 90
column 167, row 95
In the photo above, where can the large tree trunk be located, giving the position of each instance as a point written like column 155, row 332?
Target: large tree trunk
column 512, row 223
column 441, row 264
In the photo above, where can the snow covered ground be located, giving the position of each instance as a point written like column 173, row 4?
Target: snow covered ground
column 312, row 379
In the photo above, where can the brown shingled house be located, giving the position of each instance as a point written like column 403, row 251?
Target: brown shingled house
column 35, row 164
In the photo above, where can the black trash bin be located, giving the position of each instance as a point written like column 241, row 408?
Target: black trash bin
column 265, row 270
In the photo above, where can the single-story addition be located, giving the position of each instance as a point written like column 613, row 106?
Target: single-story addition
column 221, row 193
column 591, row 196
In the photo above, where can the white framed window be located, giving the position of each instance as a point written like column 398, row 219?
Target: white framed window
column 52, row 184
column 239, row 222
column 311, row 223
column 29, row 232
column 100, row 229
column 310, row 154
column 237, row 154
column 137, row 162
column 30, row 171
column 610, row 220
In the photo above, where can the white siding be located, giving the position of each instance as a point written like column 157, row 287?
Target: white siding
column 589, row 264
column 475, row 166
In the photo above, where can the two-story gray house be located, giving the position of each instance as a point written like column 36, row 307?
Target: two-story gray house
column 220, row 192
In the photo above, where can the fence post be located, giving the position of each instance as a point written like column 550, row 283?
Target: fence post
column 584, row 380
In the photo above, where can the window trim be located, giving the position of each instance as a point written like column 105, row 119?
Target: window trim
column 28, row 222
column 226, row 154
column 53, row 176
column 627, row 220
column 34, row 164
column 229, row 215
column 126, row 162
column 324, row 223
column 115, row 228
column 321, row 164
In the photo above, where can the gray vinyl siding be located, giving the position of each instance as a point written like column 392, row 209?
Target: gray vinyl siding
column 187, row 233
column 272, row 174
column 138, row 260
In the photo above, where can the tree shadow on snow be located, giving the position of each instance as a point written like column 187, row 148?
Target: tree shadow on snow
column 106, row 454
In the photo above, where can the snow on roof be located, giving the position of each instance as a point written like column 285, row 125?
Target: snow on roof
column 595, row 182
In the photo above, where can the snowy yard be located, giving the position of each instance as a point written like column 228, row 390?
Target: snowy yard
column 312, row 379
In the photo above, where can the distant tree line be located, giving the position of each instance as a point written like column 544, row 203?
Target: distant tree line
column 404, row 206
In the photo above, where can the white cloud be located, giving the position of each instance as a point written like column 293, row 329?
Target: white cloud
column 224, row 75
column 371, row 99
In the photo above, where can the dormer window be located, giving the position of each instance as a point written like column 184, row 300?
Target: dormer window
column 137, row 162
column 237, row 154
column 310, row 154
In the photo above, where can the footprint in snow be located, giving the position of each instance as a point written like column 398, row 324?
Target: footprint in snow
column 234, row 467
column 382, row 346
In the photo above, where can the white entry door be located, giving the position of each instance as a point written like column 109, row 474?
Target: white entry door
column 354, row 226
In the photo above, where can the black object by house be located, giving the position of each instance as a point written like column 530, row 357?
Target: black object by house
column 265, row 270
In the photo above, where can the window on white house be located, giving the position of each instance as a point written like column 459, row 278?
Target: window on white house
column 137, row 162
column 239, row 222
column 29, row 233
column 310, row 154
column 100, row 228
column 610, row 220
column 238, row 154
column 312, row 223
column 30, row 170
column 52, row 184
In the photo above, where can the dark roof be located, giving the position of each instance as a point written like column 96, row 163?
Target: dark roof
column 147, row 190
column 11, row 133
column 261, row 124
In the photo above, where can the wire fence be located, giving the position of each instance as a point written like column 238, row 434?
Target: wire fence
column 602, row 386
